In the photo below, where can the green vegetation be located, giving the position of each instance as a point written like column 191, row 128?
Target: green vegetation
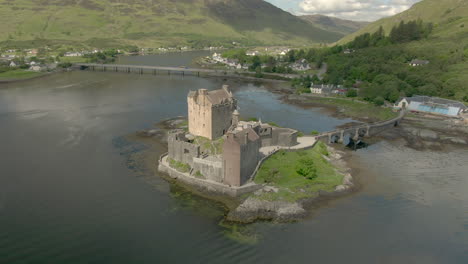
column 19, row 74
column 199, row 175
column 356, row 109
column 157, row 23
column 212, row 147
column 179, row 166
column 299, row 174
column 314, row 132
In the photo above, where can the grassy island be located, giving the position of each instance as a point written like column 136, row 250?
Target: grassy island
column 299, row 174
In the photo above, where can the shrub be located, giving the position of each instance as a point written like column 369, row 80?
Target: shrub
column 351, row 93
column 379, row 101
column 306, row 168
column 199, row 175
column 314, row 132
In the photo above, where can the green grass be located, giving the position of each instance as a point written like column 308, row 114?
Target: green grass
column 179, row 166
column 280, row 170
column 73, row 59
column 19, row 75
column 357, row 109
column 212, row 147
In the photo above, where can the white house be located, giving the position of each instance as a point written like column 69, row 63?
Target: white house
column 321, row 89
column 12, row 64
column 35, row 68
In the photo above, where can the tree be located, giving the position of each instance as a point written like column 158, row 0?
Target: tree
column 256, row 62
column 351, row 93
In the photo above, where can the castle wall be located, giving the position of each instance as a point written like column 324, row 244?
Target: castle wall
column 232, row 163
column 248, row 160
column 210, row 169
column 199, row 117
column 182, row 151
column 221, row 119
column 276, row 136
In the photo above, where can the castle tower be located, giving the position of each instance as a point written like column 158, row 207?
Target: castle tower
column 210, row 112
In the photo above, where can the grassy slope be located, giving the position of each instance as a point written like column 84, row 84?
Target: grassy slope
column 333, row 24
column 280, row 171
column 435, row 11
column 109, row 23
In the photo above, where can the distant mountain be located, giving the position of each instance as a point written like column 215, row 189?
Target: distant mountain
column 449, row 17
column 152, row 23
column 333, row 24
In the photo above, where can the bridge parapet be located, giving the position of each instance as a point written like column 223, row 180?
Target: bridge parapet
column 363, row 130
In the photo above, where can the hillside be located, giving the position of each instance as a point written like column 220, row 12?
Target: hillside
column 333, row 24
column 114, row 23
column 378, row 61
column 447, row 16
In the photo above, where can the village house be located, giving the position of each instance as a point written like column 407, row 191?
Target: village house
column 73, row 54
column 301, row 65
column 35, row 68
column 416, row 62
column 13, row 64
column 252, row 53
column 431, row 105
column 321, row 89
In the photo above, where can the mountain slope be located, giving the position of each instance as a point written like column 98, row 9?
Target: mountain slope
column 333, row 24
column 448, row 17
column 149, row 23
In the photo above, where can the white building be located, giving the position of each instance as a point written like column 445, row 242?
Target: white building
column 432, row 105
column 12, row 64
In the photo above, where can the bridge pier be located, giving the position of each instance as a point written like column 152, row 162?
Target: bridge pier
column 367, row 131
column 356, row 135
column 341, row 139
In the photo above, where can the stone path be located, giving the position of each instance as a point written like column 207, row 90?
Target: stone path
column 304, row 142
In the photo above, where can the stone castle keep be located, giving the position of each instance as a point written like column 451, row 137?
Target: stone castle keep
column 219, row 148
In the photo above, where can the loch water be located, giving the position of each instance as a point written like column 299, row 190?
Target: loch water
column 69, row 195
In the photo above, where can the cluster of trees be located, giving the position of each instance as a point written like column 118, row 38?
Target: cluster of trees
column 403, row 32
column 107, row 56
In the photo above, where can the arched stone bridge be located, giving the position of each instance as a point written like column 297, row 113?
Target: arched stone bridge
column 359, row 131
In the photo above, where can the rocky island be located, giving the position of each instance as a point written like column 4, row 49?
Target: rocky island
column 271, row 172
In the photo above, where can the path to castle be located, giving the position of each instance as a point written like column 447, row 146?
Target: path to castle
column 304, row 142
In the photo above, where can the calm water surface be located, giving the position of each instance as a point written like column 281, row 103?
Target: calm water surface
column 67, row 194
